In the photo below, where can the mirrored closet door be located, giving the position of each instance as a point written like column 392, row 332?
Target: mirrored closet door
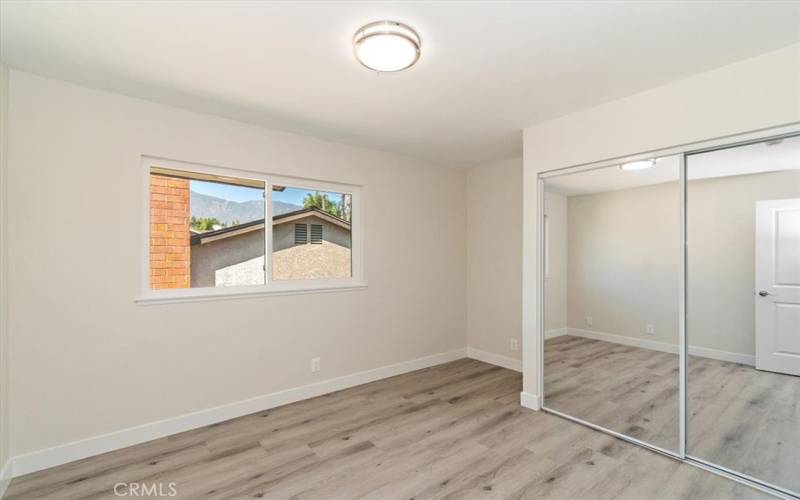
column 671, row 303
column 612, row 261
column 743, row 310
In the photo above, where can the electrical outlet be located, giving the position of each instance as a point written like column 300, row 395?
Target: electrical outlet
column 650, row 329
column 589, row 320
column 315, row 364
column 513, row 344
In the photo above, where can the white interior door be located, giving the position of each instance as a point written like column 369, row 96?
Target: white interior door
column 778, row 286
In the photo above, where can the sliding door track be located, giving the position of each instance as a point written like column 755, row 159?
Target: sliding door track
column 688, row 459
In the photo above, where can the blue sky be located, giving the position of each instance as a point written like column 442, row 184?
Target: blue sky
column 295, row 196
column 227, row 191
column 240, row 193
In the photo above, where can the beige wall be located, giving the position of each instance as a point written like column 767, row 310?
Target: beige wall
column 555, row 284
column 494, row 256
column 4, row 359
column 721, row 256
column 624, row 259
column 87, row 360
column 753, row 94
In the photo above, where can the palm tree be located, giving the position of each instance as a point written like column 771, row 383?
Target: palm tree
column 204, row 223
column 324, row 203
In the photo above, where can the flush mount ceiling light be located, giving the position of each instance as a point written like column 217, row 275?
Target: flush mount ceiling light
column 638, row 165
column 386, row 46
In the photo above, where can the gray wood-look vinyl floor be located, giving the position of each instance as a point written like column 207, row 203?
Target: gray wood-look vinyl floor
column 623, row 388
column 738, row 417
column 450, row 431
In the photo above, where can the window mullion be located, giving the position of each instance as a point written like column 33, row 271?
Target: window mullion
column 268, row 232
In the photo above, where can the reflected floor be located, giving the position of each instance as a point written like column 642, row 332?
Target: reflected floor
column 626, row 389
column 746, row 420
column 738, row 417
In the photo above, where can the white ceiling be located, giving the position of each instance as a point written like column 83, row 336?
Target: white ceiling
column 742, row 160
column 487, row 70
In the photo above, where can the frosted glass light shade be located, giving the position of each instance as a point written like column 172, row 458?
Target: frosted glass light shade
column 386, row 46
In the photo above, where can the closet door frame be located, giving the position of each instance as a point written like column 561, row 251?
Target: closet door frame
column 683, row 151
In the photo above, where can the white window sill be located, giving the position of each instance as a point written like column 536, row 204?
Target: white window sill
column 208, row 294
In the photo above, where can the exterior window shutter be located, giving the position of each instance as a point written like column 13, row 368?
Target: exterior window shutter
column 316, row 234
column 300, row 234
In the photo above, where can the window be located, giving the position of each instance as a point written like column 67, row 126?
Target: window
column 214, row 231
column 205, row 230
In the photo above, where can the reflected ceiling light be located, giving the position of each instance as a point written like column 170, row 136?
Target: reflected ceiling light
column 638, row 165
column 386, row 46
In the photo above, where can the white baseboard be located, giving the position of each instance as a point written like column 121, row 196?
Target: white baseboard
column 555, row 332
column 733, row 357
column 5, row 477
column 51, row 457
column 654, row 345
column 529, row 400
column 495, row 359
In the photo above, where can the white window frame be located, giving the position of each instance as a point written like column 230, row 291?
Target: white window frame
column 271, row 287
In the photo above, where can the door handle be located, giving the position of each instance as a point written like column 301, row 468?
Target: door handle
column 763, row 293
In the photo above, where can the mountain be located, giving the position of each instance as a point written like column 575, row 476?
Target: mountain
column 279, row 207
column 203, row 205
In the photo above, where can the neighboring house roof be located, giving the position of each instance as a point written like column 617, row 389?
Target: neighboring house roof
column 256, row 225
column 226, row 232
column 306, row 212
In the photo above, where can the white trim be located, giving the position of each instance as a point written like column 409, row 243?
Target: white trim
column 205, row 294
column 539, row 327
column 495, row 359
column 528, row 400
column 76, row 450
column 6, row 473
column 654, row 345
column 555, row 332
column 704, row 146
column 683, row 353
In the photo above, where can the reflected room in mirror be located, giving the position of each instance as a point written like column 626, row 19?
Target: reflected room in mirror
column 743, row 310
column 611, row 298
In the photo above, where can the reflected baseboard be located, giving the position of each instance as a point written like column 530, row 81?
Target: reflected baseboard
column 654, row 345
column 556, row 332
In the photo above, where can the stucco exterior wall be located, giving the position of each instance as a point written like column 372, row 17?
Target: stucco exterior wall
column 239, row 260
column 327, row 260
column 283, row 234
column 234, row 251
